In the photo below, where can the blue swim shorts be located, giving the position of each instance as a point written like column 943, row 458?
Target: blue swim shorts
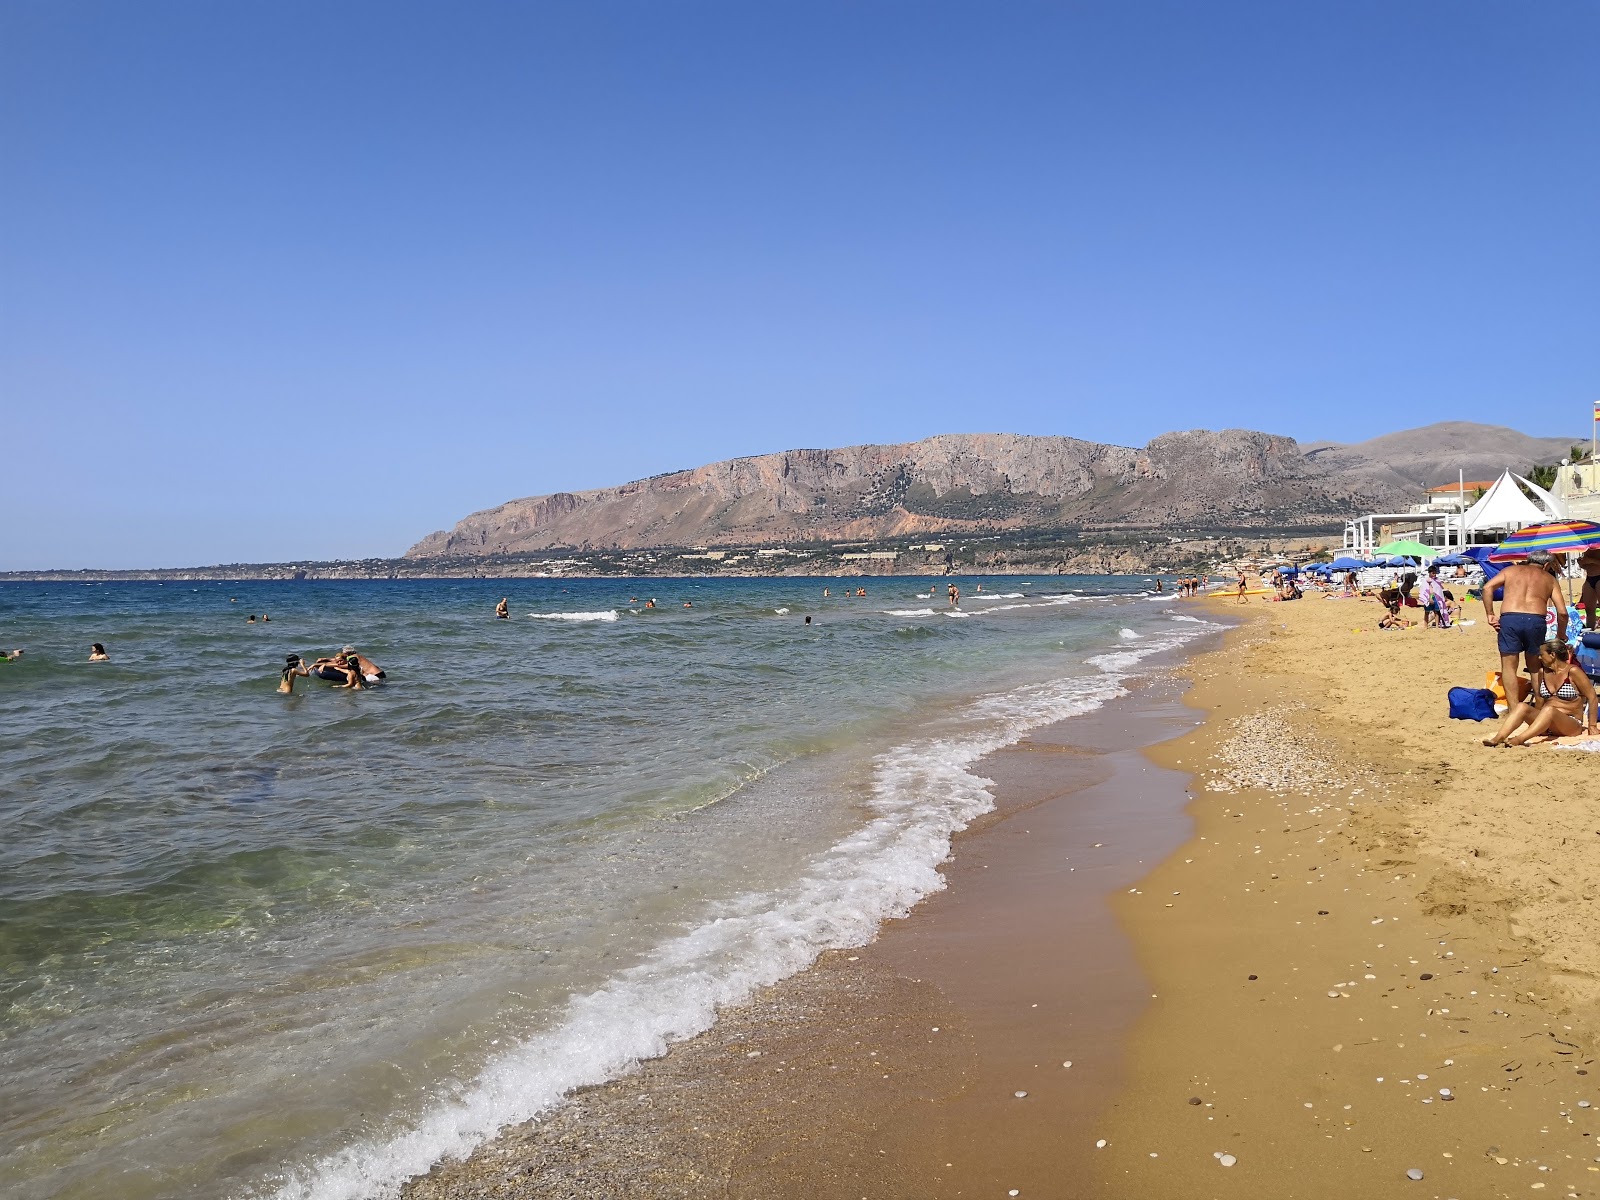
column 1521, row 633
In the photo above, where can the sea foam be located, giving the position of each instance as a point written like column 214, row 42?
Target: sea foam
column 609, row 614
column 923, row 792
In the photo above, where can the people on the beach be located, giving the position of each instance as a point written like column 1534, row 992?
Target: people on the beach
column 503, row 609
column 1159, row 588
column 1526, row 591
column 293, row 669
column 1560, row 703
column 1589, row 598
column 97, row 653
column 1242, row 599
column 1435, row 611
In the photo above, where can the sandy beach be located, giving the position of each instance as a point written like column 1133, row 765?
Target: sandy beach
column 1391, row 971
column 1315, row 941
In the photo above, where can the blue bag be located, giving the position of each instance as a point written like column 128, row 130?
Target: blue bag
column 1471, row 704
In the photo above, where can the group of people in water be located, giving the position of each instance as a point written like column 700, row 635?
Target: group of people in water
column 348, row 669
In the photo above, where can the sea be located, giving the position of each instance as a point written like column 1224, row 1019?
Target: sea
column 301, row 947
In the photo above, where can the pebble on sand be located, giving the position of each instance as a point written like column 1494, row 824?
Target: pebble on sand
column 1226, row 1160
column 1100, row 1145
column 1414, row 1173
column 1019, row 1095
column 1068, row 1063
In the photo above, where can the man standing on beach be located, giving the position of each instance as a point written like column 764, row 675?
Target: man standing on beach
column 1527, row 589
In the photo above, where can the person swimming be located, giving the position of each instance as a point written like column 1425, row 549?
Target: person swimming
column 97, row 653
column 293, row 669
column 370, row 670
column 251, row 619
column 503, row 610
column 342, row 670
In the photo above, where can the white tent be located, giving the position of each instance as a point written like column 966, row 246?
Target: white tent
column 1504, row 506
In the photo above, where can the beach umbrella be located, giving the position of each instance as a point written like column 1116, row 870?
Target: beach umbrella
column 1349, row 564
column 1558, row 537
column 1407, row 549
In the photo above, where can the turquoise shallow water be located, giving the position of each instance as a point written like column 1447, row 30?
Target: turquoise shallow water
column 260, row 945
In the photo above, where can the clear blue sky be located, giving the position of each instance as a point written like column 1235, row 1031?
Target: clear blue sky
column 288, row 280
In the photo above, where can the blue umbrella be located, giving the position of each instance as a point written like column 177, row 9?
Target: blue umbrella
column 1348, row 564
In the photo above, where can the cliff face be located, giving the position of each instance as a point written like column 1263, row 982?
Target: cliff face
column 946, row 484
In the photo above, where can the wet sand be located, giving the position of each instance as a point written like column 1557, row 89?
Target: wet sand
column 1374, row 951
column 893, row 1070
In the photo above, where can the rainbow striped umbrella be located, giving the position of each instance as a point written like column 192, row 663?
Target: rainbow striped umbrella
column 1558, row 537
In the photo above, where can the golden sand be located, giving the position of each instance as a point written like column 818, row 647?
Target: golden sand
column 1375, row 955
column 1393, row 973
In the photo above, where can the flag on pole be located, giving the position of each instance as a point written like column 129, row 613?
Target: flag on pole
column 1597, row 410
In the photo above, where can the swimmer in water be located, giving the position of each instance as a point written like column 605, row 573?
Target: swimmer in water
column 955, row 595
column 265, row 618
column 97, row 653
column 250, row 620
column 293, row 669
column 503, row 609
column 824, row 593
column 12, row 657
column 370, row 670
column 808, row 620
column 650, row 603
column 686, row 604
column 343, row 666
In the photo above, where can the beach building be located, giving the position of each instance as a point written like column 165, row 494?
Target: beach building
column 1577, row 484
column 1506, row 505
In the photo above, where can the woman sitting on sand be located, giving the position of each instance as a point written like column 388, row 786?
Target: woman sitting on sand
column 1561, row 702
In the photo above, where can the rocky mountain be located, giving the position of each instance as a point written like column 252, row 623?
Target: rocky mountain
column 1421, row 458
column 965, row 483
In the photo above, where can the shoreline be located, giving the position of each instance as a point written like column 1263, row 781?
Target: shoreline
column 1338, row 925
column 892, row 1069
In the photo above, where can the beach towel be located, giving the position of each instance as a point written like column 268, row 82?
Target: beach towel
column 1471, row 704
